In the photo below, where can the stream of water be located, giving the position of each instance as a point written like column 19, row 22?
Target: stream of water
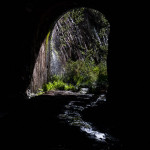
column 72, row 115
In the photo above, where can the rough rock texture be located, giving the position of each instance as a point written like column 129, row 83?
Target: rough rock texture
column 39, row 76
column 80, row 31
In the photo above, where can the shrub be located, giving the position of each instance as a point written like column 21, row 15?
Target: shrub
column 57, row 84
column 80, row 74
column 40, row 92
column 49, row 86
column 55, row 78
column 86, row 74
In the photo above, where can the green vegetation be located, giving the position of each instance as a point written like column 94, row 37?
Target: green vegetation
column 74, row 27
column 40, row 92
column 57, row 84
column 82, row 38
column 86, row 73
column 47, row 41
column 77, row 15
column 79, row 74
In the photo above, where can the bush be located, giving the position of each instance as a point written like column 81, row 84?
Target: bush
column 80, row 74
column 86, row 74
column 40, row 92
column 57, row 84
column 55, row 78
column 49, row 86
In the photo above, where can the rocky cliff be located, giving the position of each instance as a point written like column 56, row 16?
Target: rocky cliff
column 78, row 34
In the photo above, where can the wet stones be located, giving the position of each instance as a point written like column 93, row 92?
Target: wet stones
column 72, row 116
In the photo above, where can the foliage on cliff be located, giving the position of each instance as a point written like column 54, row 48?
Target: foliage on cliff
column 79, row 31
column 80, row 38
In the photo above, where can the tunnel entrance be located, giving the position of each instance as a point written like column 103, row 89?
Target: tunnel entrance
column 73, row 55
column 31, row 57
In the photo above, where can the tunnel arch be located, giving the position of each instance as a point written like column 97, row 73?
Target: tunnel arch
column 47, row 23
column 27, row 35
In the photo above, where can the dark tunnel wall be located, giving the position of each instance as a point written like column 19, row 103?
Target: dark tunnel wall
column 29, row 24
column 25, row 26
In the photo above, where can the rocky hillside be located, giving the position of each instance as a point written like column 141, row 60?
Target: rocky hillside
column 77, row 35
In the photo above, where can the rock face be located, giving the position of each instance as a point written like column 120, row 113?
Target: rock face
column 39, row 76
column 78, row 34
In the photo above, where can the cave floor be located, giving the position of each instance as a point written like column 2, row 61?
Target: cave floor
column 35, row 124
